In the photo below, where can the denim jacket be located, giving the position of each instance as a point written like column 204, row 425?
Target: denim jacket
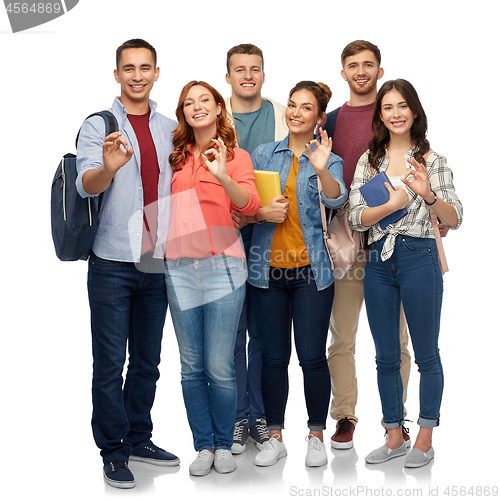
column 277, row 157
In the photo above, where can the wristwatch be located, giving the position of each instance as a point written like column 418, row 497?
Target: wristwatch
column 435, row 198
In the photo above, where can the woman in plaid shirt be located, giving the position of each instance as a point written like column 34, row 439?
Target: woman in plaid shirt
column 403, row 265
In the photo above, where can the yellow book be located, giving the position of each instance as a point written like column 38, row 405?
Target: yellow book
column 268, row 186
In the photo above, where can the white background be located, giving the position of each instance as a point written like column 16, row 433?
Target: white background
column 56, row 74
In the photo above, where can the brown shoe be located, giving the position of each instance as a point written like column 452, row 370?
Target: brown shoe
column 406, row 437
column 342, row 439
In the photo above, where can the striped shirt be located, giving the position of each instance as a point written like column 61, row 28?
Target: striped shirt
column 417, row 221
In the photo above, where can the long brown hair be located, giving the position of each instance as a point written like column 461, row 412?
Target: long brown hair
column 183, row 136
column 381, row 135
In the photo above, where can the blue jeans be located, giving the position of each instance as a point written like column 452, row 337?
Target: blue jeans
column 411, row 276
column 248, row 373
column 126, row 305
column 292, row 297
column 206, row 297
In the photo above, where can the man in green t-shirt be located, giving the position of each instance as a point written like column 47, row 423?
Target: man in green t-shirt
column 257, row 120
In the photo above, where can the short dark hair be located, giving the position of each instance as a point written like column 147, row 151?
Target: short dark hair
column 353, row 48
column 244, row 48
column 135, row 43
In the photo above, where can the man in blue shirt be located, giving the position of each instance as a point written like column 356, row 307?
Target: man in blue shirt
column 257, row 120
column 126, row 284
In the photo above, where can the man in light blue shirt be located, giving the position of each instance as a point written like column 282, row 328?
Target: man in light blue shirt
column 127, row 294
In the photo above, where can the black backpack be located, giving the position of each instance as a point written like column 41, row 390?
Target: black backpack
column 74, row 219
column 331, row 121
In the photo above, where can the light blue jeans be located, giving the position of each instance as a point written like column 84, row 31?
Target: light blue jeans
column 206, row 297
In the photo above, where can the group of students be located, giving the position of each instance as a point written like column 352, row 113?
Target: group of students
column 184, row 194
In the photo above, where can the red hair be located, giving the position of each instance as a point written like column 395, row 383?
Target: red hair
column 183, row 136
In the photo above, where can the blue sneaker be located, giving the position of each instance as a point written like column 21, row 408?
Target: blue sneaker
column 240, row 437
column 259, row 433
column 153, row 455
column 118, row 475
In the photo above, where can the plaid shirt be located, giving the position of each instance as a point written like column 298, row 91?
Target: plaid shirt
column 417, row 221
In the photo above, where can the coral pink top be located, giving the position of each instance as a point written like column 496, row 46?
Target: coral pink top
column 201, row 225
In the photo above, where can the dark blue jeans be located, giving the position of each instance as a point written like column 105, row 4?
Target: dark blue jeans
column 126, row 305
column 292, row 298
column 248, row 368
column 411, row 276
column 248, row 365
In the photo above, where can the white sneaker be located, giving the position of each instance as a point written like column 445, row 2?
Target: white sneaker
column 270, row 453
column 224, row 462
column 316, row 452
column 202, row 464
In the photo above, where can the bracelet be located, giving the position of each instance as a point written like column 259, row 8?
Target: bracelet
column 435, row 198
column 257, row 220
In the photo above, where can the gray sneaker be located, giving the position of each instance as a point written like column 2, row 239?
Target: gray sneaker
column 224, row 462
column 259, row 433
column 417, row 458
column 202, row 464
column 383, row 454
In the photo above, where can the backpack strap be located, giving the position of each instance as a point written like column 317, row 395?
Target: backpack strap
column 111, row 125
column 109, row 121
column 331, row 120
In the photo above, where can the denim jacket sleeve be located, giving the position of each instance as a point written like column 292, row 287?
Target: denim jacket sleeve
column 335, row 167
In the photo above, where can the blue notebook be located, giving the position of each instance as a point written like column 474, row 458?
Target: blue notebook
column 376, row 194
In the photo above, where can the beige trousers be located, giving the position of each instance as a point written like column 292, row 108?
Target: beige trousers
column 347, row 304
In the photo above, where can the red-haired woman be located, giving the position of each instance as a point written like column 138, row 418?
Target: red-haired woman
column 206, row 267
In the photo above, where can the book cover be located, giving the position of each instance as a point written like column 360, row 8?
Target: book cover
column 375, row 193
column 268, row 186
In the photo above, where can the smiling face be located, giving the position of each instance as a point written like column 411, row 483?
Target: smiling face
column 361, row 72
column 136, row 75
column 245, row 75
column 302, row 113
column 396, row 114
column 200, row 109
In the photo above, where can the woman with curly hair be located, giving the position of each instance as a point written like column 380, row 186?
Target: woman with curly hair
column 403, row 264
column 206, row 267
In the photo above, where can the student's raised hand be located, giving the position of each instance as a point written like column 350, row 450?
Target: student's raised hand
column 217, row 167
column 115, row 152
column 420, row 184
column 320, row 156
